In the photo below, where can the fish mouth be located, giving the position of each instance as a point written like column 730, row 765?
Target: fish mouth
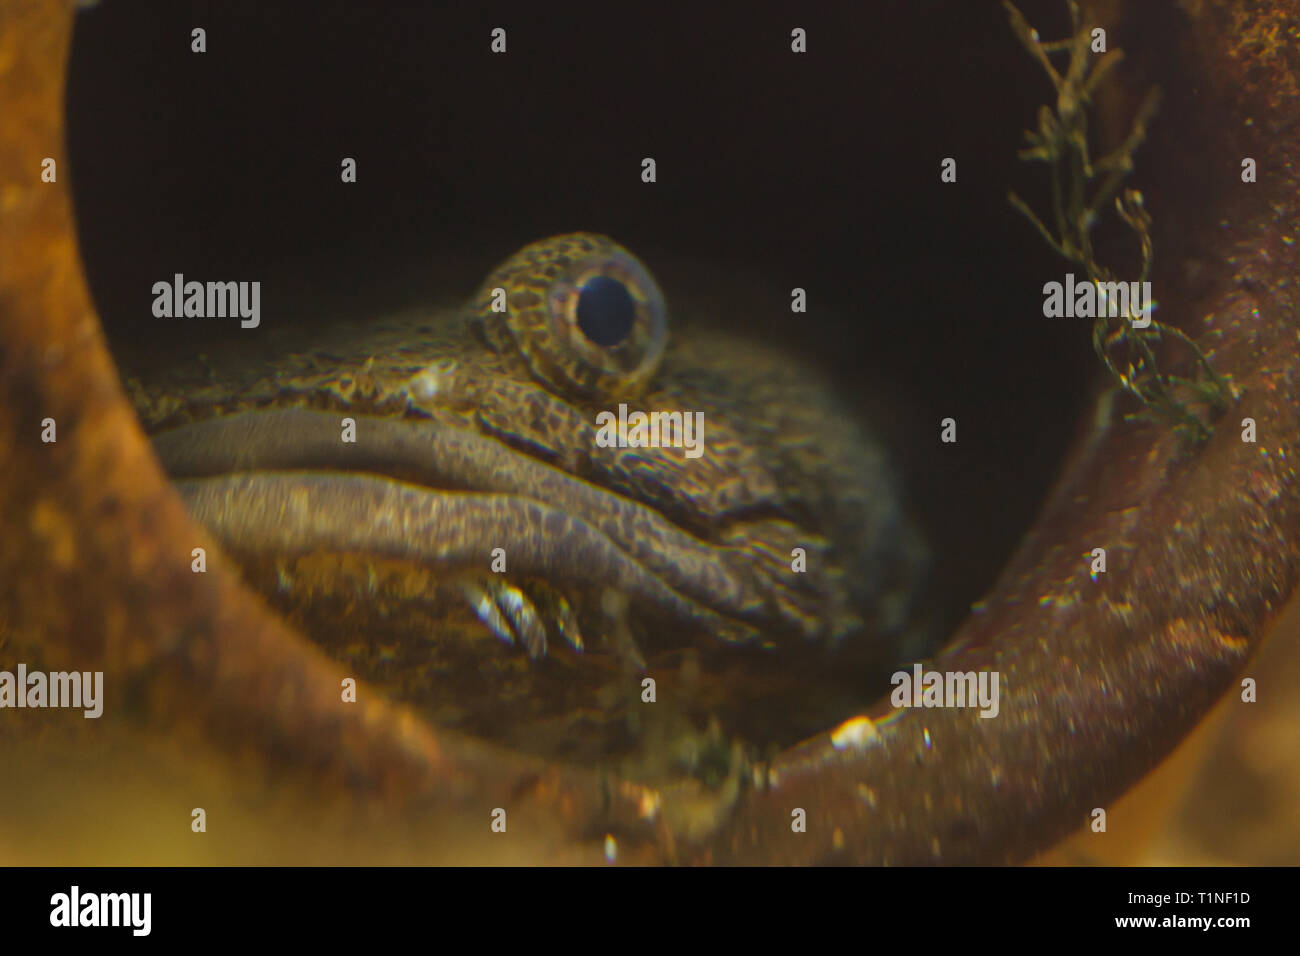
column 281, row 482
column 367, row 548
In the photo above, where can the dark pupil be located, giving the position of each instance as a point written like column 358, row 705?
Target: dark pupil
column 606, row 311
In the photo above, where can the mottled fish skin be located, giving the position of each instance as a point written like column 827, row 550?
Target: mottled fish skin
column 506, row 404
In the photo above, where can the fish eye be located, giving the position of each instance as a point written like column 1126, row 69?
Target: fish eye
column 606, row 311
column 585, row 315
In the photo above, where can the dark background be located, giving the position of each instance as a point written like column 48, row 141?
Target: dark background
column 775, row 170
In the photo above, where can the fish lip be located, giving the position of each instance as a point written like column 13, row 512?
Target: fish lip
column 444, row 496
column 296, row 514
